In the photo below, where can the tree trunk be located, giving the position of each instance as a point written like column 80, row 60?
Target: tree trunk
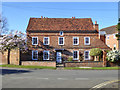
column 8, row 56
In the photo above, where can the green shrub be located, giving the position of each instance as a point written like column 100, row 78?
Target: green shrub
column 95, row 52
column 107, row 51
column 113, row 56
column 70, row 59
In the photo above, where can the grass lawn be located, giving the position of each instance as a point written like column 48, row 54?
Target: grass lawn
column 93, row 68
column 31, row 67
column 66, row 68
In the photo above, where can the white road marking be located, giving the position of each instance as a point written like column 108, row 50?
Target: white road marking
column 62, row 78
column 103, row 84
column 42, row 78
column 81, row 79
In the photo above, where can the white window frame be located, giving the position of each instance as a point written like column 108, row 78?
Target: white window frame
column 77, row 54
column 44, row 40
column 32, row 41
column 48, row 55
column 32, row 54
column 85, row 41
column 114, row 36
column 114, row 46
column 58, row 41
column 108, row 37
column 61, row 32
column 88, row 55
column 77, row 39
column 108, row 45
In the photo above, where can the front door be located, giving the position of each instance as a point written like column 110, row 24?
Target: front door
column 58, row 57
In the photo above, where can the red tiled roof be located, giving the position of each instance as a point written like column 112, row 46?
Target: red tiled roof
column 60, row 24
column 110, row 30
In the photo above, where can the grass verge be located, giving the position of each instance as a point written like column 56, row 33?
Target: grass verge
column 31, row 67
column 93, row 68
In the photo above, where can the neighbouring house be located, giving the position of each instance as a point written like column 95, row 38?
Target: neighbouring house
column 110, row 37
column 57, row 39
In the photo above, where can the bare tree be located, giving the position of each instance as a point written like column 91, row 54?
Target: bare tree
column 3, row 25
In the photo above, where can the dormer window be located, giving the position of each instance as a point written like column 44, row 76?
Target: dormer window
column 61, row 33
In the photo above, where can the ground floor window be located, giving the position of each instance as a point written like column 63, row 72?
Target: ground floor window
column 34, row 55
column 86, row 55
column 75, row 55
column 45, row 55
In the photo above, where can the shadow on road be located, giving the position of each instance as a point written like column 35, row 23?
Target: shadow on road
column 12, row 71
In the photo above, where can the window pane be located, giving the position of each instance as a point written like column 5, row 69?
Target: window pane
column 86, row 55
column 60, row 40
column 34, row 40
column 46, row 55
column 45, row 41
column 34, row 54
column 87, row 40
column 75, row 55
column 75, row 40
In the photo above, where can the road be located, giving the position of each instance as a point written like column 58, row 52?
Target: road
column 16, row 78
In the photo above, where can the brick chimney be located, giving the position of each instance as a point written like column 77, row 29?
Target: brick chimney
column 102, row 36
column 96, row 26
column 41, row 16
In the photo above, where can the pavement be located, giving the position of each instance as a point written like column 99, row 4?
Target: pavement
column 43, row 78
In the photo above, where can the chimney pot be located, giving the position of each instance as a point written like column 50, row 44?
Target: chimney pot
column 95, row 22
column 72, row 17
column 41, row 16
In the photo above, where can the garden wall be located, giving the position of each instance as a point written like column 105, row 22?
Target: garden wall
column 39, row 63
column 10, row 57
column 3, row 58
column 84, row 64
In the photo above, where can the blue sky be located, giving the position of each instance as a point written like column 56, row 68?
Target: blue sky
column 18, row 13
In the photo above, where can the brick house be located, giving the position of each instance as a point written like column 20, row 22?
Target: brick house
column 56, row 39
column 110, row 38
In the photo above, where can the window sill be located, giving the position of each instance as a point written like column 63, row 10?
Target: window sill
column 35, row 59
column 75, row 44
column 87, row 44
column 75, row 59
column 35, row 44
column 61, row 44
column 46, row 59
column 46, row 44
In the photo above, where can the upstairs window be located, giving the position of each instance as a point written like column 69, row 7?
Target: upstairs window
column 114, row 35
column 61, row 41
column 45, row 55
column 34, row 40
column 75, row 40
column 86, row 55
column 114, row 46
column 34, row 55
column 75, row 55
column 107, row 37
column 87, row 40
column 61, row 33
column 46, row 40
